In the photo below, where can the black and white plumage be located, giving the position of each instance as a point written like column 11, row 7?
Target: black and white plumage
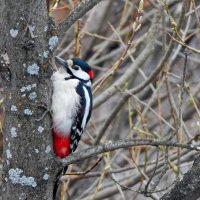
column 71, row 104
column 83, row 116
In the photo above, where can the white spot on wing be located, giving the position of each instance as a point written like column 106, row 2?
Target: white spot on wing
column 72, row 137
column 79, row 132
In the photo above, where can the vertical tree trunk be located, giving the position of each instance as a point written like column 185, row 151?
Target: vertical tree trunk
column 26, row 41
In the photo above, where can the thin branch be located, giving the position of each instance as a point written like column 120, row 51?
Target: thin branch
column 64, row 177
column 181, row 99
column 80, row 10
column 141, row 191
column 135, row 90
column 111, row 146
column 133, row 180
column 152, row 35
column 144, row 55
column 153, row 174
column 184, row 45
column 138, row 191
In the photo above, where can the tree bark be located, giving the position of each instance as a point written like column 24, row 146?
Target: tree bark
column 26, row 41
column 188, row 187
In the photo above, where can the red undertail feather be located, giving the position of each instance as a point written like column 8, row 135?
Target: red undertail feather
column 61, row 144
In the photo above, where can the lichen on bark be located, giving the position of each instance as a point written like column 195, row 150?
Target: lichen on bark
column 25, row 73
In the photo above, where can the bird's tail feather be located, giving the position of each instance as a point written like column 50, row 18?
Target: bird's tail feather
column 58, row 176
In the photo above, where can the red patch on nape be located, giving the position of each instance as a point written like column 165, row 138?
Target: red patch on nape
column 91, row 74
column 61, row 145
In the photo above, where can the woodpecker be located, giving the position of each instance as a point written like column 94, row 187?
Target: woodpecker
column 71, row 104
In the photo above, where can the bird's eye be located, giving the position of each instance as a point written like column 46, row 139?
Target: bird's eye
column 75, row 67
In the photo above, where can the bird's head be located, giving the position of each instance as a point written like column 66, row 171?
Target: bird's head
column 76, row 68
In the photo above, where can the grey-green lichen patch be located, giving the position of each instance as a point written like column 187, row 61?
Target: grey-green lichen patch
column 40, row 129
column 8, row 154
column 36, row 151
column 45, row 28
column 48, row 149
column 13, row 108
column 16, row 178
column 33, row 69
column 5, row 60
column 32, row 96
column 13, row 33
column 46, row 177
column 46, row 54
column 28, row 88
column 13, row 132
column 53, row 41
column 32, row 28
column 28, row 112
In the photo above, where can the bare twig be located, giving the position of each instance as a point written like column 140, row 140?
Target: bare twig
column 185, row 45
column 154, row 172
column 81, row 9
column 152, row 35
column 64, row 177
column 136, row 27
column 111, row 146
column 107, row 192
column 181, row 100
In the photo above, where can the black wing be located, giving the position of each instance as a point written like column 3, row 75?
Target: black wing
column 83, row 116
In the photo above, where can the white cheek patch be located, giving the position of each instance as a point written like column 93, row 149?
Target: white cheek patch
column 80, row 74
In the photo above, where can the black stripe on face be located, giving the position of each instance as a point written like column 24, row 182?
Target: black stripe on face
column 74, row 77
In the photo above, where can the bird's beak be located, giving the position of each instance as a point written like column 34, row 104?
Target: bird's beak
column 60, row 61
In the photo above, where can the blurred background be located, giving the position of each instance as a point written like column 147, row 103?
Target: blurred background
column 101, row 37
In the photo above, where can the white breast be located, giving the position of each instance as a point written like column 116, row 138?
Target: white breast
column 65, row 102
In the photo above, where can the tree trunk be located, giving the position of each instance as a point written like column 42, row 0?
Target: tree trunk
column 188, row 187
column 26, row 42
